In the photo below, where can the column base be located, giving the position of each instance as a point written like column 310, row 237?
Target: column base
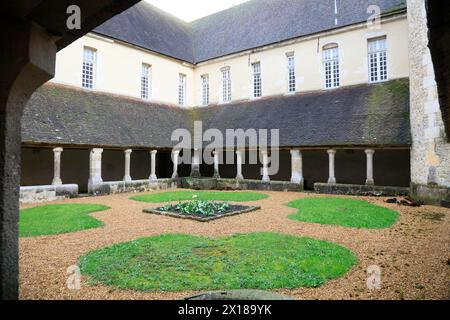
column 195, row 173
column 370, row 182
column 239, row 177
column 127, row 179
column 56, row 182
column 175, row 175
column 298, row 179
column 332, row 181
column 153, row 178
column 265, row 179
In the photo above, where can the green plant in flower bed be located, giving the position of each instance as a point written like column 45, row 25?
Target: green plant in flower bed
column 198, row 207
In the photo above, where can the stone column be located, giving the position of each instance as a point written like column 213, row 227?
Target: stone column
column 239, row 175
column 296, row 166
column 127, row 176
column 369, row 156
column 331, row 156
column 216, row 164
column 95, row 167
column 153, row 165
column 57, row 166
column 195, row 166
column 175, row 156
column 28, row 61
column 265, row 161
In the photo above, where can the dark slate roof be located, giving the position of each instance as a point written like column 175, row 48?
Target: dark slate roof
column 363, row 115
column 369, row 115
column 261, row 22
column 249, row 25
column 65, row 115
column 147, row 26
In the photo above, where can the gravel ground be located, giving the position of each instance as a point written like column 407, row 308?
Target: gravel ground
column 414, row 254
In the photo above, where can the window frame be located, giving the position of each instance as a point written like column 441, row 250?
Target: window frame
column 226, row 96
column 204, row 90
column 331, row 66
column 256, row 80
column 146, row 90
column 93, row 67
column 379, row 57
column 291, row 73
column 182, row 86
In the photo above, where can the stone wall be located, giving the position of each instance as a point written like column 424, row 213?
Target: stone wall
column 430, row 155
column 113, row 187
column 36, row 194
column 360, row 190
column 233, row 184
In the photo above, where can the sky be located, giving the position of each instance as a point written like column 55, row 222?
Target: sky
column 189, row 10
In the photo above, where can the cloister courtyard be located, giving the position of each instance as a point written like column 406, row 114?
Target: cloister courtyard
column 303, row 245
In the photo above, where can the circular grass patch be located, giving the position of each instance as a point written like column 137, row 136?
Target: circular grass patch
column 343, row 212
column 58, row 218
column 184, row 195
column 178, row 262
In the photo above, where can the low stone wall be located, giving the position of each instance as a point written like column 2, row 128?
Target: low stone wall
column 36, row 194
column 113, row 187
column 431, row 194
column 233, row 184
column 359, row 190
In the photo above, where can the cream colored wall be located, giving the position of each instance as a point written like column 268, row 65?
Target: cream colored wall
column 308, row 58
column 118, row 70
column 119, row 65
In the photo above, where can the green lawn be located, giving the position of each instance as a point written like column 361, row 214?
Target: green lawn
column 184, row 195
column 58, row 218
column 177, row 262
column 343, row 212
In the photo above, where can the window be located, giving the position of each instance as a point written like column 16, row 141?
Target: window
column 377, row 60
column 205, row 89
column 257, row 91
column 145, row 82
column 182, row 89
column 291, row 72
column 226, row 85
column 88, row 72
column 331, row 66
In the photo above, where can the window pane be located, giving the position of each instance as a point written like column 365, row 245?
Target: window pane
column 377, row 60
column 88, row 69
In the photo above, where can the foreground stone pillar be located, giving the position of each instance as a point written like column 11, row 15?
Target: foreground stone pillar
column 153, row 165
column 265, row 161
column 239, row 175
column 175, row 156
column 331, row 160
column 95, row 168
column 27, row 60
column 127, row 175
column 369, row 156
column 195, row 166
column 57, row 166
column 216, row 164
column 296, row 166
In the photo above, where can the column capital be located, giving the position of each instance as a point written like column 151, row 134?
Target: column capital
column 176, row 151
column 58, row 149
column 97, row 150
column 128, row 151
column 369, row 151
column 331, row 151
column 154, row 151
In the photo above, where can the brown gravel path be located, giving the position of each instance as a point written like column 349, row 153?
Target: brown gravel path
column 413, row 254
